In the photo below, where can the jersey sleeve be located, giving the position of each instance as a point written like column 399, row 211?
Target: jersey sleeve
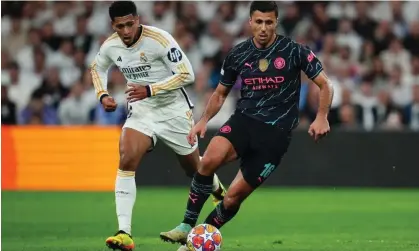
column 99, row 71
column 177, row 61
column 309, row 63
column 228, row 71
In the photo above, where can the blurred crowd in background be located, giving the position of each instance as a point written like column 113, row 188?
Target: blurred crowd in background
column 370, row 50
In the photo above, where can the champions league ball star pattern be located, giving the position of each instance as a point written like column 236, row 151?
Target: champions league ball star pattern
column 204, row 237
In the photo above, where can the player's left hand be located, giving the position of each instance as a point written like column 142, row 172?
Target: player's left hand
column 136, row 92
column 319, row 128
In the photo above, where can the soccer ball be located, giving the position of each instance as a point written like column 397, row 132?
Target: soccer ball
column 204, row 237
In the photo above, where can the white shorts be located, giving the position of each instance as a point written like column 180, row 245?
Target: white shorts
column 171, row 123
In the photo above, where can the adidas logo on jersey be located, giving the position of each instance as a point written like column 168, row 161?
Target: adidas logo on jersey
column 119, row 59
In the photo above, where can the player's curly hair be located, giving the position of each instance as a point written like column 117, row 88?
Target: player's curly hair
column 264, row 6
column 121, row 9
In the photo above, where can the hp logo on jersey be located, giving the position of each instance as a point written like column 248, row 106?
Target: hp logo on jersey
column 174, row 55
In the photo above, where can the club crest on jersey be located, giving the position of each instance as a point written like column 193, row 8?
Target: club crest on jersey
column 143, row 57
column 279, row 63
column 263, row 65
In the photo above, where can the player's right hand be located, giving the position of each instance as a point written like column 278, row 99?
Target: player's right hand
column 109, row 104
column 199, row 129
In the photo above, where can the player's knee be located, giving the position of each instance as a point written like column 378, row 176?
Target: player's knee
column 208, row 165
column 232, row 202
column 128, row 161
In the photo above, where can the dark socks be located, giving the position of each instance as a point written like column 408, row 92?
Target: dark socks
column 201, row 188
column 220, row 216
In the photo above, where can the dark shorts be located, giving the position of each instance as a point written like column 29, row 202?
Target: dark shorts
column 259, row 146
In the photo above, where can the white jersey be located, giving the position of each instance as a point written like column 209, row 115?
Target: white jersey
column 155, row 61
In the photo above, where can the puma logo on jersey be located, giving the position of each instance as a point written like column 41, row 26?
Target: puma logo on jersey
column 119, row 59
column 249, row 65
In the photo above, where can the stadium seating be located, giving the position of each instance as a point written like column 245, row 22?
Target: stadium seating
column 369, row 49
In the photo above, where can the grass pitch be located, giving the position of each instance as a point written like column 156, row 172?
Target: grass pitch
column 272, row 219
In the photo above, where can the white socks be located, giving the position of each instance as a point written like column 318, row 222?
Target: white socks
column 215, row 182
column 125, row 193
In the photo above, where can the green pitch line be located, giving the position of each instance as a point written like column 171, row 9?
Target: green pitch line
column 272, row 219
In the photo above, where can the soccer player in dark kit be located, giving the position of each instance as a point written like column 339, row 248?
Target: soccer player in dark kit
column 259, row 131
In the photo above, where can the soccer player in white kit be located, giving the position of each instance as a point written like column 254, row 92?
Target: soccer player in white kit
column 156, row 70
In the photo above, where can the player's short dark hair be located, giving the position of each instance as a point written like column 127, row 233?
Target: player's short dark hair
column 264, row 6
column 121, row 9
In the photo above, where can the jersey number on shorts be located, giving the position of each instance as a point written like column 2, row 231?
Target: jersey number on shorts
column 269, row 168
